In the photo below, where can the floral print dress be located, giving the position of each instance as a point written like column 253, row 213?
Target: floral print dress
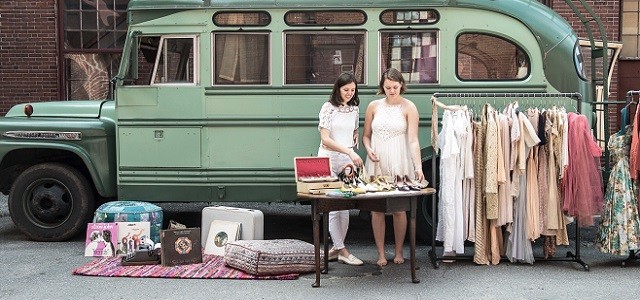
column 619, row 229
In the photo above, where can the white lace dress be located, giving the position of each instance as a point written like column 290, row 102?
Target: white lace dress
column 389, row 142
column 341, row 122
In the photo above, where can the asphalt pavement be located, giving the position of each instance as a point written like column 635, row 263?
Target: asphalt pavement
column 4, row 208
column 34, row 270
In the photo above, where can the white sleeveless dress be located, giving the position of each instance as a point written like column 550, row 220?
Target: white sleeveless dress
column 389, row 142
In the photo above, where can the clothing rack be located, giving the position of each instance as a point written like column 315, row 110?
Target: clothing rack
column 633, row 97
column 570, row 256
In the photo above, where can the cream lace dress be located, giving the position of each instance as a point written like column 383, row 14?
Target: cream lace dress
column 389, row 142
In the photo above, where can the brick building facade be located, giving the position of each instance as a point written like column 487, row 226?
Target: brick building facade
column 34, row 67
column 29, row 54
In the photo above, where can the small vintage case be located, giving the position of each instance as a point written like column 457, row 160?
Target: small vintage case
column 313, row 174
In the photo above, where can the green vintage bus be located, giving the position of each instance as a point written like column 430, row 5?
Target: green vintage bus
column 214, row 99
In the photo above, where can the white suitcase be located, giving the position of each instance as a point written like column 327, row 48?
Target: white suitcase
column 252, row 221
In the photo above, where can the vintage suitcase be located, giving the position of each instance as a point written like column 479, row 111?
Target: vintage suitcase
column 252, row 221
column 313, row 175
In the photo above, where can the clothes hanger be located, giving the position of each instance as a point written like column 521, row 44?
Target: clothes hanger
column 632, row 101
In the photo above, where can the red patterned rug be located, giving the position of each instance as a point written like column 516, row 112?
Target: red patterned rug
column 212, row 266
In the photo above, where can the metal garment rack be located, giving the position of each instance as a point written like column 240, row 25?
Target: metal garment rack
column 570, row 257
column 632, row 98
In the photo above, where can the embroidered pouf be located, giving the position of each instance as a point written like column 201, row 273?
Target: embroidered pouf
column 270, row 257
column 131, row 211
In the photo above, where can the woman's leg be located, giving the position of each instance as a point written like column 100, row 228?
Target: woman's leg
column 378, row 225
column 338, row 226
column 399, row 231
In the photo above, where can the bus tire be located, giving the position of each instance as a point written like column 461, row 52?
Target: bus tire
column 51, row 202
column 424, row 220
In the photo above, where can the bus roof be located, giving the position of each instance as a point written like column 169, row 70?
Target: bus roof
column 177, row 4
column 266, row 4
column 519, row 9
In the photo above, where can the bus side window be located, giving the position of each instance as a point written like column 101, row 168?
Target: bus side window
column 175, row 61
column 487, row 57
column 413, row 53
column 241, row 58
column 319, row 57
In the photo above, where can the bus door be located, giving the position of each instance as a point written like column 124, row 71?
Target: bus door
column 157, row 104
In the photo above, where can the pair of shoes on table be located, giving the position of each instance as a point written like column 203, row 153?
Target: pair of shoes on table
column 410, row 185
column 350, row 260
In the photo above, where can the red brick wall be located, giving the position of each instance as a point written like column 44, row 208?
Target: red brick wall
column 609, row 13
column 28, row 52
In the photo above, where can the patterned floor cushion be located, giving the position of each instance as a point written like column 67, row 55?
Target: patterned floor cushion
column 131, row 211
column 270, row 257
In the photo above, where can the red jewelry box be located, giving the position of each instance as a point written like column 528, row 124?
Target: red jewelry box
column 313, row 175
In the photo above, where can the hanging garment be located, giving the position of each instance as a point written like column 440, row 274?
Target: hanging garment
column 493, row 154
column 450, row 224
column 555, row 224
column 468, row 187
column 491, row 164
column 480, row 247
column 505, row 201
column 533, row 197
column 634, row 155
column 560, row 148
column 619, row 230
column 511, row 112
column 543, row 184
column 583, row 195
column 519, row 247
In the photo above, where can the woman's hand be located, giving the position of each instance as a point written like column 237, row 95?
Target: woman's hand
column 373, row 156
column 419, row 175
column 355, row 158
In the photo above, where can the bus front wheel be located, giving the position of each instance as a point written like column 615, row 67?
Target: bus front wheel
column 51, row 202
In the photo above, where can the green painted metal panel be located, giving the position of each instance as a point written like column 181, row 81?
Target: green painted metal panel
column 160, row 102
column 159, row 147
column 76, row 109
column 136, row 96
column 96, row 147
column 243, row 146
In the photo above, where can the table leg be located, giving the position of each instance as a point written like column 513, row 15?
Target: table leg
column 325, row 238
column 412, row 238
column 316, row 239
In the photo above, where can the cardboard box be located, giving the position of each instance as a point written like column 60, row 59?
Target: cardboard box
column 313, row 175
